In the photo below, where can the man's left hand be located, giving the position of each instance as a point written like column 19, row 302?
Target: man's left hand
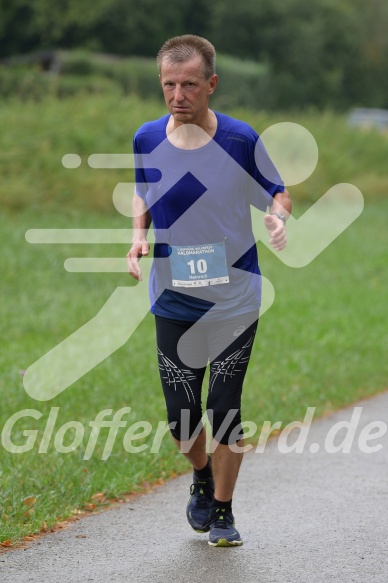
column 277, row 231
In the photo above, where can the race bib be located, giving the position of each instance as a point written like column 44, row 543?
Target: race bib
column 199, row 265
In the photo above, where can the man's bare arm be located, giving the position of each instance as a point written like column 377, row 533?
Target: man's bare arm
column 141, row 223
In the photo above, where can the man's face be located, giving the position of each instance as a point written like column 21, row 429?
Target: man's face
column 186, row 90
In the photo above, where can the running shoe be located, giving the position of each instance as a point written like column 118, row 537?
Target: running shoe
column 222, row 532
column 198, row 506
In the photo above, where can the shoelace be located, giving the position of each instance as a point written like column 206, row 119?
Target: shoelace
column 204, row 494
column 220, row 518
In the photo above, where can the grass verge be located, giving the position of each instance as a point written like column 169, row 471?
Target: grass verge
column 323, row 343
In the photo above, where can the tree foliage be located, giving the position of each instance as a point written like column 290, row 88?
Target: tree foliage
column 322, row 52
column 319, row 51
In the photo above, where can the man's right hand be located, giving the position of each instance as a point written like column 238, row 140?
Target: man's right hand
column 138, row 249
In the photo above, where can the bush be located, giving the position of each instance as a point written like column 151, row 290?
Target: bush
column 35, row 85
column 23, row 82
column 134, row 75
column 242, row 83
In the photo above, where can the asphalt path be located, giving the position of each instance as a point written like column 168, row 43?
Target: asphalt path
column 316, row 516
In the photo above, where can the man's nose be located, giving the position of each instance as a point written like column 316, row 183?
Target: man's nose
column 178, row 95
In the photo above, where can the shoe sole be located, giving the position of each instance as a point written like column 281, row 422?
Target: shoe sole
column 223, row 542
column 199, row 530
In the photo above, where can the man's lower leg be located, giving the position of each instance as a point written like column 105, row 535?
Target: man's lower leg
column 226, row 465
column 195, row 450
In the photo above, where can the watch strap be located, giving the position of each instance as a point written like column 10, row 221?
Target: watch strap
column 280, row 216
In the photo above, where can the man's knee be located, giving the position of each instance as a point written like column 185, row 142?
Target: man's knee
column 185, row 425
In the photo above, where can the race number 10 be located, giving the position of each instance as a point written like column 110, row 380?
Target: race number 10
column 201, row 266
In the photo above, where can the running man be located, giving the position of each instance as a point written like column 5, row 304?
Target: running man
column 207, row 169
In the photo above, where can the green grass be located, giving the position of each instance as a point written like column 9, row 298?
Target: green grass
column 323, row 343
column 35, row 136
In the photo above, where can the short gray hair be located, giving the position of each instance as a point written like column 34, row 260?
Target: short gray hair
column 188, row 46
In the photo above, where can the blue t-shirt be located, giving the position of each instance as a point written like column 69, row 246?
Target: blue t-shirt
column 203, row 197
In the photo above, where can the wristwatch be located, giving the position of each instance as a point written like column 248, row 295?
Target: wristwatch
column 280, row 216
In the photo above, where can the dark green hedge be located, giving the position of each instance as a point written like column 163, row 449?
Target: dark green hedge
column 241, row 83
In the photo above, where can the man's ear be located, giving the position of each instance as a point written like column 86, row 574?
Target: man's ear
column 212, row 84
